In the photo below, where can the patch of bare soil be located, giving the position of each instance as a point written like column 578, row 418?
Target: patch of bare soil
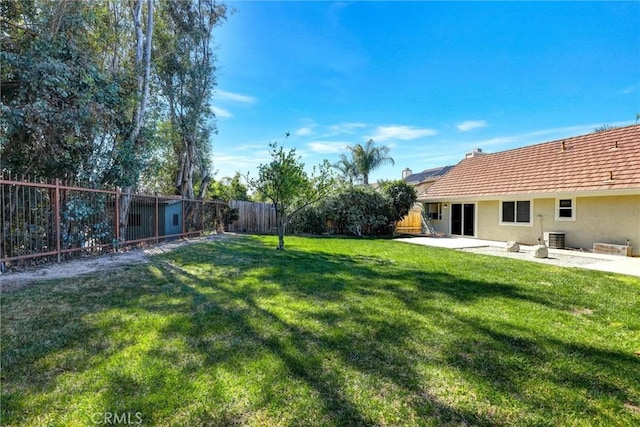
column 17, row 280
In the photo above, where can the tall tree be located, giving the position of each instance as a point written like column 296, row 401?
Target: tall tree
column 186, row 73
column 75, row 84
column 132, row 143
column 284, row 182
column 369, row 157
column 56, row 99
column 347, row 169
column 229, row 188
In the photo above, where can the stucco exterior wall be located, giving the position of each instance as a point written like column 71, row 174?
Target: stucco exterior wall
column 610, row 219
column 442, row 226
column 607, row 220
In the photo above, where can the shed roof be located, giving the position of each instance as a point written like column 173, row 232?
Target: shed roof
column 607, row 160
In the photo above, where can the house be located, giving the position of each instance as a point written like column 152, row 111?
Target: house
column 423, row 180
column 584, row 189
column 413, row 222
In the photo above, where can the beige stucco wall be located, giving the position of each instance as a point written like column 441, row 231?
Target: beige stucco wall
column 442, row 225
column 611, row 219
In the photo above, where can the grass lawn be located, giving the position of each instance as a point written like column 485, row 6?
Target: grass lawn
column 330, row 332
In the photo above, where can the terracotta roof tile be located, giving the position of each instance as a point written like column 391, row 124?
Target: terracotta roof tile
column 581, row 163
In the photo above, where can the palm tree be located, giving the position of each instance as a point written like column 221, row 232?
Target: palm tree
column 368, row 158
column 347, row 168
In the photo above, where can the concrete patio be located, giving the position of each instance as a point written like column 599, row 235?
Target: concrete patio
column 559, row 257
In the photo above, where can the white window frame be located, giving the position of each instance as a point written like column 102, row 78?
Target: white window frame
column 516, row 224
column 438, row 212
column 573, row 209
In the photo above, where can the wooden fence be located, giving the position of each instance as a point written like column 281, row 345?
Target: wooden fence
column 412, row 223
column 260, row 218
column 254, row 217
column 44, row 221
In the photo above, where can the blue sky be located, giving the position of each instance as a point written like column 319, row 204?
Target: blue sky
column 430, row 80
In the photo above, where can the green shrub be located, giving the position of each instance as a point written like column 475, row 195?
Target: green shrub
column 402, row 197
column 359, row 211
column 311, row 220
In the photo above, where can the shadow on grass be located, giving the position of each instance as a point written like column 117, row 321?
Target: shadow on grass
column 237, row 333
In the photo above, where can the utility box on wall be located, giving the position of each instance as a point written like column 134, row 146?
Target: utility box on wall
column 554, row 239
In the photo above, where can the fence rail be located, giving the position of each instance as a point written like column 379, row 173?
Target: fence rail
column 42, row 221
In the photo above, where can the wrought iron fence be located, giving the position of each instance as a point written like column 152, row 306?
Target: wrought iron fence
column 49, row 221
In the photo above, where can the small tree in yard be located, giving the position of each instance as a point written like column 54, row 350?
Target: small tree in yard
column 285, row 183
column 402, row 197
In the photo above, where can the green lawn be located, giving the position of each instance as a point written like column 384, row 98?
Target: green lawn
column 329, row 332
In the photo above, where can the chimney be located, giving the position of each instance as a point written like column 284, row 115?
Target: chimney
column 474, row 153
column 406, row 172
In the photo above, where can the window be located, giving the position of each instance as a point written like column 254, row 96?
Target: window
column 565, row 209
column 175, row 219
column 516, row 212
column 434, row 211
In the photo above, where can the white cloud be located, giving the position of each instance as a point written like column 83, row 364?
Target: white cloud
column 348, row 128
column 384, row 133
column 226, row 164
column 223, row 95
column 470, row 125
column 328, row 147
column 540, row 136
column 304, row 131
column 251, row 147
column 631, row 89
column 221, row 113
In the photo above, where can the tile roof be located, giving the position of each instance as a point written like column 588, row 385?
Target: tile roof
column 433, row 174
column 608, row 160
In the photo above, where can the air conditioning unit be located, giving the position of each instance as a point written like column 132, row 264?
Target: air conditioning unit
column 554, row 239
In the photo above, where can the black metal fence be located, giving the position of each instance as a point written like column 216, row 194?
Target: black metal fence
column 50, row 221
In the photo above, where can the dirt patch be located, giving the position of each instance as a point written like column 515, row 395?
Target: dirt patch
column 633, row 408
column 582, row 312
column 13, row 281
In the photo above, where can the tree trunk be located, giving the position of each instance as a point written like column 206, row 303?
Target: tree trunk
column 123, row 211
column 280, row 238
column 143, row 65
column 281, row 221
